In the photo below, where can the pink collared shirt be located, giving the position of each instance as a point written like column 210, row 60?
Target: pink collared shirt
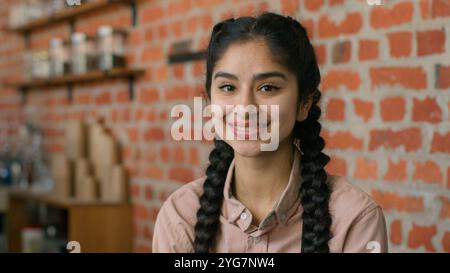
column 358, row 223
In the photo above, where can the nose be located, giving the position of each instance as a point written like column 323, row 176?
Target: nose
column 246, row 98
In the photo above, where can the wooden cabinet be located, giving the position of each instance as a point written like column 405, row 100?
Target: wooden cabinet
column 97, row 226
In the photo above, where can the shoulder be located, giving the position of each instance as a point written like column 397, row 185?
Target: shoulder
column 183, row 203
column 175, row 222
column 358, row 220
column 348, row 200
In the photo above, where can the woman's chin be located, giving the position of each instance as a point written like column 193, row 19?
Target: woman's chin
column 247, row 148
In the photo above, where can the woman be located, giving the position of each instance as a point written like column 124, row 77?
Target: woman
column 268, row 201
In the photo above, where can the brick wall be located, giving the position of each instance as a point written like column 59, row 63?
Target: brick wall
column 386, row 102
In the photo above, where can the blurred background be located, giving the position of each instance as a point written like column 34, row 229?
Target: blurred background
column 86, row 89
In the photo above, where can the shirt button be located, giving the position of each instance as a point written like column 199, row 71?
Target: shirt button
column 243, row 216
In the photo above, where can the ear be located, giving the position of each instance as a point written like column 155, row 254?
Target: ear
column 303, row 110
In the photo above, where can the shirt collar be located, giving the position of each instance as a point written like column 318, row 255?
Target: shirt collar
column 283, row 208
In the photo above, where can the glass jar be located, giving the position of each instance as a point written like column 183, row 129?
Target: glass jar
column 40, row 64
column 83, row 53
column 110, row 47
column 58, row 57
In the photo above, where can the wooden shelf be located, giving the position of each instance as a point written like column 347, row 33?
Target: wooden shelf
column 98, row 226
column 81, row 78
column 56, row 201
column 68, row 14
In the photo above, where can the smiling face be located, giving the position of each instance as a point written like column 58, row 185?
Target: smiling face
column 247, row 75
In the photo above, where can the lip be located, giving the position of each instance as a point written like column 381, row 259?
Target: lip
column 243, row 130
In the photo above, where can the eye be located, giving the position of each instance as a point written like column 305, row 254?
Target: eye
column 230, row 88
column 269, row 88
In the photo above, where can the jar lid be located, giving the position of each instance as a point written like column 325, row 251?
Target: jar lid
column 78, row 37
column 104, row 30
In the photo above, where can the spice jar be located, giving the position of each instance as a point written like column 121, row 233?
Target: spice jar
column 83, row 53
column 110, row 47
column 58, row 57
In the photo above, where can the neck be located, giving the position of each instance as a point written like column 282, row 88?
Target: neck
column 260, row 181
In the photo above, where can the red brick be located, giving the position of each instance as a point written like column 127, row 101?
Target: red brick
column 149, row 194
column 290, row 7
column 350, row 25
column 152, row 14
column 148, row 96
column 152, row 53
column 135, row 191
column 392, row 108
column 365, row 168
column 337, row 166
column 446, row 242
column 153, row 134
column 133, row 135
column 440, row 143
column 178, row 71
column 198, row 68
column 364, row 109
column 165, row 154
column 396, row 234
column 342, row 140
column 178, row 154
column 336, row 2
column 368, row 50
column 383, row 17
column 313, row 5
column 424, row 8
column 335, row 78
column 154, row 172
column 408, row 77
column 181, row 174
column 103, row 98
column 336, row 110
column 178, row 7
column 140, row 211
column 426, row 110
column 445, row 208
column 341, row 52
column 396, row 171
column 179, row 93
column 442, row 77
column 321, row 54
column 428, row 172
column 410, row 139
column 430, row 42
column 421, row 236
column 194, row 156
column 400, row 44
column 123, row 96
column 402, row 203
column 440, row 8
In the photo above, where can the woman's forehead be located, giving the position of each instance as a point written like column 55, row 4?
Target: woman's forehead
column 248, row 58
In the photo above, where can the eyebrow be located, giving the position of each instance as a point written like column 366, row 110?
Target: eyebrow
column 256, row 77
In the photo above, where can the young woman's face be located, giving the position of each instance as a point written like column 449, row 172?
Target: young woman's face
column 239, row 79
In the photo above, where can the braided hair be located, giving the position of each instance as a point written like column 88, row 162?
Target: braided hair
column 289, row 43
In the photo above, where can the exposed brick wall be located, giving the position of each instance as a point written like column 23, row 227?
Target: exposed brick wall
column 386, row 86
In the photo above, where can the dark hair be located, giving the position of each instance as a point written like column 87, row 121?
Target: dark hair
column 288, row 41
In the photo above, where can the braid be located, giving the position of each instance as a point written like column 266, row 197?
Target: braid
column 212, row 198
column 314, row 192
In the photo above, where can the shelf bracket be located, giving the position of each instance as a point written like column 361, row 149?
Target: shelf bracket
column 130, row 88
column 69, row 93
column 71, row 26
column 26, row 38
column 23, row 91
column 134, row 12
